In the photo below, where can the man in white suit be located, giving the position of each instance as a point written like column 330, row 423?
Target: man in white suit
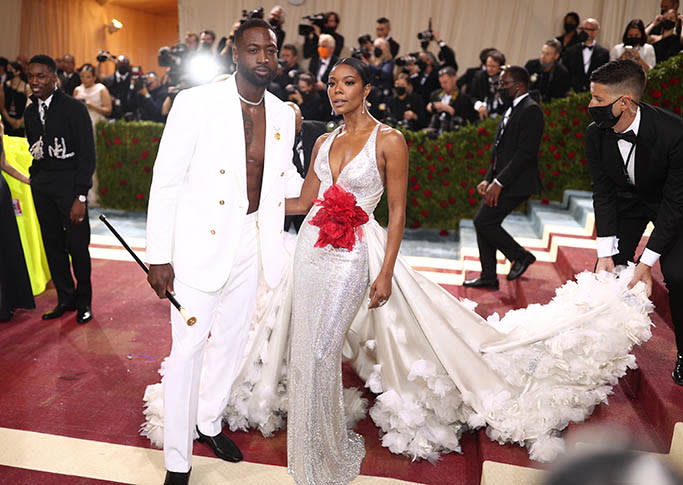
column 215, row 219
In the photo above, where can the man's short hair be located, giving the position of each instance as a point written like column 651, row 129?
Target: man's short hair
column 382, row 20
column 45, row 60
column 3, row 62
column 484, row 53
column 518, row 74
column 209, row 32
column 625, row 76
column 330, row 40
column 307, row 78
column 497, row 56
column 330, row 13
column 447, row 71
column 251, row 24
column 555, row 44
column 291, row 47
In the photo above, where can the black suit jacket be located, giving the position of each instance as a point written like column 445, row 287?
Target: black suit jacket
column 550, row 85
column 68, row 85
column 462, row 104
column 310, row 131
column 393, row 47
column 514, row 158
column 572, row 58
column 121, row 91
column 314, row 65
column 658, row 192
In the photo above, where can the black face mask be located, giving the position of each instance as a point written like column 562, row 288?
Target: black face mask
column 378, row 52
column 505, row 96
column 422, row 65
column 603, row 116
column 569, row 27
column 273, row 22
column 400, row 90
column 123, row 70
column 668, row 24
column 582, row 37
column 632, row 41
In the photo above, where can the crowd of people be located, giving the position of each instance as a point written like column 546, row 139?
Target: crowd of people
column 415, row 90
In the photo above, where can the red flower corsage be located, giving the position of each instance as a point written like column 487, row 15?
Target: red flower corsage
column 339, row 219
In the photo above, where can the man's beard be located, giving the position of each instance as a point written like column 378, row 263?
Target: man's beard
column 254, row 78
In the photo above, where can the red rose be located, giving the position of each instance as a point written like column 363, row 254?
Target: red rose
column 469, row 155
column 547, row 165
column 409, row 143
column 103, row 191
column 139, row 196
column 430, row 176
column 565, row 130
column 575, row 121
column 451, row 154
column 666, row 103
column 446, row 183
column 471, row 191
column 549, row 185
column 449, row 146
column 480, row 152
column 656, row 94
column 414, row 201
column 135, row 140
column 418, row 168
column 553, row 124
column 443, row 232
column 107, row 143
column 547, row 112
column 565, row 164
column 111, row 165
column 482, row 171
column 584, row 161
column 428, row 193
column 416, row 187
column 563, row 112
column 481, row 131
column 451, row 200
column 134, row 162
column 420, row 148
column 546, row 137
column 545, row 202
column 156, row 140
column 541, row 174
column 583, row 109
column 677, row 110
column 469, row 169
column 425, row 214
column 416, row 224
column 443, row 204
column 440, row 158
column 655, row 103
column 571, row 155
column 556, row 173
column 429, row 157
column 463, row 184
column 436, row 148
column 117, row 140
column 432, row 168
column 674, row 80
column 665, row 85
column 557, row 155
column 123, row 182
column 562, row 143
column 552, row 148
column 578, row 135
column 413, row 179
column 472, row 201
column 144, row 155
column 119, row 164
column 147, row 168
column 446, row 170
column 339, row 219
column 102, row 132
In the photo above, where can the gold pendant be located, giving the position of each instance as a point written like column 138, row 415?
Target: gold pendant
column 277, row 135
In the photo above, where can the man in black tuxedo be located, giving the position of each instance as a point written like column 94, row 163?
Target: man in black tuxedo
column 512, row 177
column 549, row 79
column 635, row 156
column 584, row 58
column 323, row 61
column 383, row 30
column 307, row 132
column 68, row 77
column 119, row 86
column 483, row 88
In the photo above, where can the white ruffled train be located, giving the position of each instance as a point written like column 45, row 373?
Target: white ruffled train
column 439, row 369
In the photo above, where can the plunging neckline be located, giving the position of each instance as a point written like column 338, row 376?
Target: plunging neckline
column 329, row 165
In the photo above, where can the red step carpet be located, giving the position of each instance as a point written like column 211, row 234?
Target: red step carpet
column 87, row 381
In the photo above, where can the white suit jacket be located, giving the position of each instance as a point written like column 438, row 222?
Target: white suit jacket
column 198, row 199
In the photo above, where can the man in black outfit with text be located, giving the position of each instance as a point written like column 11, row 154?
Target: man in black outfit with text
column 635, row 157
column 60, row 135
column 511, row 179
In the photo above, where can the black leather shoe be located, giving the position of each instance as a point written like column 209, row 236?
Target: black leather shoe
column 222, row 446
column 177, row 478
column 677, row 374
column 84, row 315
column 491, row 284
column 519, row 267
column 58, row 311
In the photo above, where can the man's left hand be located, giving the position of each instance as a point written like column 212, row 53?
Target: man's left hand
column 642, row 273
column 77, row 212
column 492, row 194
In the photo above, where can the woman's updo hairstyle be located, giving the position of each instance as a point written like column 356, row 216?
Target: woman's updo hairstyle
column 359, row 66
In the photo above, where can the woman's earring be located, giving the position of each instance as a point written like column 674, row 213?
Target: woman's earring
column 362, row 107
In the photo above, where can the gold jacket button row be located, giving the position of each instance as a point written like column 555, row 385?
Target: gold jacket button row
column 213, row 232
column 222, row 171
column 221, row 202
column 279, row 204
column 282, row 174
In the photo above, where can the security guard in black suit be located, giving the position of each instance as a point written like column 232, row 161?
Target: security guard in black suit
column 61, row 141
column 511, row 179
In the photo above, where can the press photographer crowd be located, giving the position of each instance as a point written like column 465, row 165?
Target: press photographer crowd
column 415, row 90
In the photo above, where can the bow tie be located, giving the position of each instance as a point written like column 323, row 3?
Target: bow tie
column 589, row 47
column 628, row 136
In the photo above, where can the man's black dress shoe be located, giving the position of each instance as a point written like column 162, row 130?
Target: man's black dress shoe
column 58, row 311
column 519, row 267
column 222, row 446
column 482, row 283
column 677, row 374
column 84, row 315
column 177, row 478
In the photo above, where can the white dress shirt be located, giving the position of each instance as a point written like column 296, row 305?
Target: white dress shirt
column 323, row 67
column 587, row 55
column 646, row 52
column 609, row 245
column 506, row 117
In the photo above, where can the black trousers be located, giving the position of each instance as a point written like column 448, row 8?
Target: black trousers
column 62, row 240
column 629, row 232
column 491, row 236
column 295, row 221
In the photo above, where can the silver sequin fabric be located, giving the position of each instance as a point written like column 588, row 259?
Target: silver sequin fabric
column 329, row 287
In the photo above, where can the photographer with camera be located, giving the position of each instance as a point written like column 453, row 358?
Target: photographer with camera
column 151, row 96
column 321, row 23
column 450, row 109
column 466, row 79
column 276, row 19
column 383, row 29
column 423, row 73
column 406, row 107
column 119, row 84
column 312, row 104
column 288, row 69
column 484, row 88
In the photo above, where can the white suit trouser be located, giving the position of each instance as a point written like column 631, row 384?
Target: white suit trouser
column 226, row 314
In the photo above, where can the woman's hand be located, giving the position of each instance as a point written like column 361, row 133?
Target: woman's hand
column 380, row 291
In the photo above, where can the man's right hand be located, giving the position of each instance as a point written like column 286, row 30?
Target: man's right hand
column 161, row 278
column 483, row 113
column 605, row 264
column 481, row 188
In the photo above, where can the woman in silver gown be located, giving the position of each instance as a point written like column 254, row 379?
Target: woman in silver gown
column 330, row 283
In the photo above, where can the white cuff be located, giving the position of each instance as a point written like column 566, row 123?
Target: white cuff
column 496, row 181
column 607, row 246
column 479, row 104
column 649, row 257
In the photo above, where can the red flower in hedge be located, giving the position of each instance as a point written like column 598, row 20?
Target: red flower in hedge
column 556, row 173
column 552, row 148
column 545, row 202
column 139, row 196
column 549, row 185
column 481, row 131
column 578, row 135
column 565, row 164
column 117, row 140
column 451, row 154
column 562, row 143
column 546, row 137
column 469, row 155
column 449, row 146
column 541, row 174
column 413, row 179
column 103, row 191
column 480, row 152
column 409, row 143
column 339, row 219
column 655, row 103
column 418, row 168
column 666, row 103
column 429, row 157
column 583, row 109
column 553, row 124
column 124, row 182
column 482, row 171
column 102, row 132
column 420, row 148
column 451, row 200
column 135, row 140
column 147, row 168
column 547, row 165
column 440, row 158
column 443, row 204
column 414, row 201
column 487, row 146
column 156, row 139
column 436, row 148
column 563, row 112
column 443, row 232
column 432, row 168
column 446, row 183
column 584, row 161
column 134, row 162
column 674, row 80
column 144, row 155
column 472, row 201
column 425, row 214
column 416, row 224
column 575, row 121
column 677, row 110
column 665, row 85
column 565, row 130
column 656, row 94
column 107, row 143
column 430, row 176
column 428, row 193
column 471, row 191
column 469, row 169
column 557, row 155
column 463, row 184
column 446, row 170
column 416, row 187
column 547, row 112
column 119, row 164
column 571, row 155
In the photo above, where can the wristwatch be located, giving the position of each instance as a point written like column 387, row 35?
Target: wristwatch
column 82, row 198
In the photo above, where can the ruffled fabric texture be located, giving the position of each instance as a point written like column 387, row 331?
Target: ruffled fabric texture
column 439, row 369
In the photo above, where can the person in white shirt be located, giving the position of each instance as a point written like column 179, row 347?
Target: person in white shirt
column 634, row 46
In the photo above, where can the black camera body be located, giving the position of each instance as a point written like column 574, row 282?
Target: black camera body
column 406, row 60
column 257, row 13
column 104, row 56
column 318, row 19
column 137, row 79
column 359, row 53
column 426, row 36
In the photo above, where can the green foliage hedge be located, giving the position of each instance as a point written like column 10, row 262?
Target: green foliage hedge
column 444, row 172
